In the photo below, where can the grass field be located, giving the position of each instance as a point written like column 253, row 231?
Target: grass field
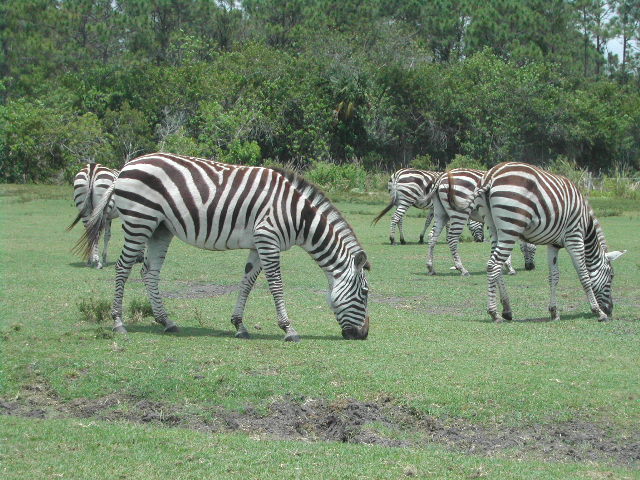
column 436, row 392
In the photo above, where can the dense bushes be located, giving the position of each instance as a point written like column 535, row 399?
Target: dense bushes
column 208, row 79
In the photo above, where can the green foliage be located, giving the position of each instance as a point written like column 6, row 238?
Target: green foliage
column 383, row 82
column 337, row 177
column 570, row 169
column 424, row 162
column 243, row 153
column 465, row 161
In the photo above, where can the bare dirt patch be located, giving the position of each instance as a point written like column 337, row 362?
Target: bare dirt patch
column 381, row 423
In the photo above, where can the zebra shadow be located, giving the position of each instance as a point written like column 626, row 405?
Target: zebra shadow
column 84, row 265
column 213, row 332
column 447, row 273
column 563, row 317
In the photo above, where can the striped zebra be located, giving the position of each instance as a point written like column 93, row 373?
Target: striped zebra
column 458, row 185
column 522, row 201
column 89, row 186
column 410, row 187
column 216, row 206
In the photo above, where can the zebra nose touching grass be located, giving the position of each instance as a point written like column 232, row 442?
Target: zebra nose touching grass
column 216, row 206
column 519, row 200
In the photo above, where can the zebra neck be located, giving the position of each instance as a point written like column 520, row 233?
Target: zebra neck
column 595, row 248
column 331, row 245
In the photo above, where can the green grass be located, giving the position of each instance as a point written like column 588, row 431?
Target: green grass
column 86, row 449
column 431, row 347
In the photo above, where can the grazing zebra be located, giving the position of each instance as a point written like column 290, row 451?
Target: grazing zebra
column 522, row 201
column 89, row 186
column 412, row 187
column 216, row 206
column 461, row 183
column 409, row 187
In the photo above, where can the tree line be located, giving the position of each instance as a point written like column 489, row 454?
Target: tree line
column 378, row 83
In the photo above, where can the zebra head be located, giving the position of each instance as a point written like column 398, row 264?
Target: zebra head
column 349, row 296
column 602, row 279
column 529, row 253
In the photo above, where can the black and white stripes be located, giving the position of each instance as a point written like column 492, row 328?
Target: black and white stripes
column 89, row 186
column 216, row 206
column 520, row 201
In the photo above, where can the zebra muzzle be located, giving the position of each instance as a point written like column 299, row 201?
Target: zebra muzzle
column 357, row 333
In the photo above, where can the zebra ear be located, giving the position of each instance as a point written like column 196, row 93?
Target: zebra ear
column 361, row 261
column 615, row 255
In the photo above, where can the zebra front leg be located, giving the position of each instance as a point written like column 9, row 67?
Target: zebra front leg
column 576, row 252
column 433, row 239
column 427, row 222
column 554, row 276
column 270, row 259
column 251, row 271
column 157, row 247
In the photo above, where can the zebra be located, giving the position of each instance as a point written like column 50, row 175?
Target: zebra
column 523, row 201
column 410, row 187
column 217, row 206
column 461, row 184
column 89, row 186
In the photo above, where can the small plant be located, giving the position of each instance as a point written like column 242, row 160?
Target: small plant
column 199, row 317
column 139, row 309
column 103, row 333
column 95, row 311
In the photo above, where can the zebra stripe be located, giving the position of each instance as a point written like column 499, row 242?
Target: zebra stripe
column 455, row 188
column 89, row 186
column 216, row 206
column 522, row 201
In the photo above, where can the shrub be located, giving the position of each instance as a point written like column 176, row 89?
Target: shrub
column 243, row 153
column 466, row 161
column 337, row 177
column 424, row 162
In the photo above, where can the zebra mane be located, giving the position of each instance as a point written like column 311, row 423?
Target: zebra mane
column 321, row 202
column 599, row 232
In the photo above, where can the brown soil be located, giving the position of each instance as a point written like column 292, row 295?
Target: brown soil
column 383, row 423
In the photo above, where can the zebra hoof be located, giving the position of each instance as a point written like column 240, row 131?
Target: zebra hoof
column 120, row 329
column 244, row 334
column 292, row 338
column 507, row 316
column 431, row 272
column 465, row 274
column 421, row 241
column 402, row 242
column 172, row 329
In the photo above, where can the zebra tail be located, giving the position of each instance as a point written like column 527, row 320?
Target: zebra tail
column 382, row 213
column 87, row 205
column 95, row 226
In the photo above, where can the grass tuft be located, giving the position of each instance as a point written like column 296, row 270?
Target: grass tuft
column 138, row 310
column 95, row 311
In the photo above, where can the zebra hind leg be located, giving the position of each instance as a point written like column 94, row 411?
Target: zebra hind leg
column 456, row 226
column 496, row 282
column 107, row 237
column 427, row 222
column 134, row 245
column 251, row 271
column 157, row 247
